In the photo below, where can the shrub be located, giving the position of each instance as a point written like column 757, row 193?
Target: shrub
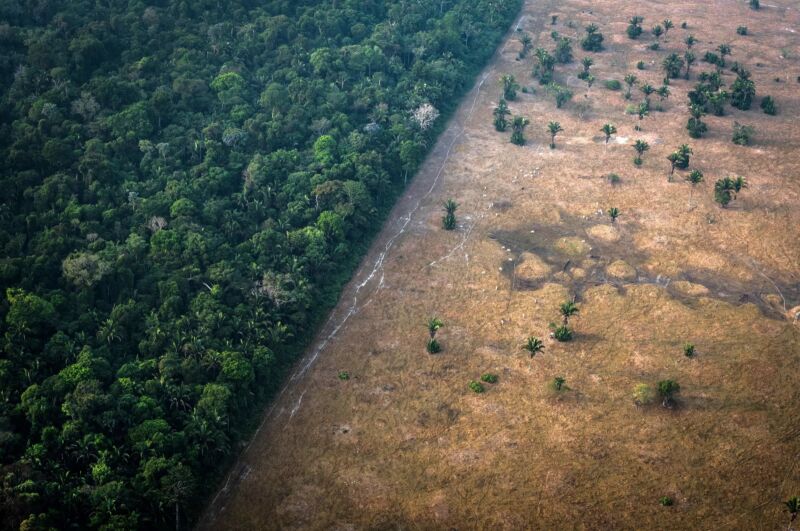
column 489, row 378
column 741, row 30
column 613, row 84
column 665, row 501
column 613, row 178
column 344, row 375
column 768, row 105
column 755, row 4
column 684, row 25
column 688, row 350
column 562, row 333
column 558, row 384
column 667, row 389
column 476, row 386
column 655, row 46
column 643, row 394
column 640, row 65
column 742, row 134
column 449, row 222
column 433, row 346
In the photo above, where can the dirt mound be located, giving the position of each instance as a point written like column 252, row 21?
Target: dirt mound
column 606, row 233
column 532, row 268
column 621, row 270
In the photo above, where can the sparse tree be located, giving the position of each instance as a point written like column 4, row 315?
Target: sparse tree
column 695, row 177
column 673, row 64
column 634, row 27
column 668, row 25
column 500, row 113
column 673, row 159
column 726, row 189
column 630, row 80
column 559, row 384
column 510, row 87
column 518, row 125
column 667, row 389
column 533, row 345
column 568, row 309
column 695, row 126
column 544, row 67
column 449, row 219
column 742, row 134
column 608, row 130
column 593, row 41
column 689, row 58
column 640, row 146
column 743, row 90
column 553, row 128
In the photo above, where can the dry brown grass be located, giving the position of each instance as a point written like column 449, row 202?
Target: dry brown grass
column 405, row 444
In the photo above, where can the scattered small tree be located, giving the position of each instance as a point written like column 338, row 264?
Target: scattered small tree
column 640, row 146
column 742, row 134
column 608, row 130
column 434, row 324
column 526, row 42
column 561, row 93
column 544, row 67
column 643, row 110
column 533, row 345
column 673, row 159
column 695, row 177
column 793, row 506
column 449, row 219
column 643, row 394
column 553, row 128
column 668, row 25
column 518, row 125
column 647, row 89
column 724, row 49
column 586, row 62
column 613, row 213
column 690, row 41
column 558, row 384
column 726, row 189
column 689, row 58
column 673, row 64
column 593, row 41
column 768, row 105
column 563, row 51
column 657, row 31
column 568, row 309
column 500, row 113
column 685, row 152
column 630, row 80
column 510, row 87
column 695, row 126
column 743, row 90
column 634, row 27
column 667, row 389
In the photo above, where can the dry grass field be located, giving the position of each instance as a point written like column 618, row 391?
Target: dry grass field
column 405, row 444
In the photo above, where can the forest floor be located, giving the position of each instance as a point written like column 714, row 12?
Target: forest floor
column 404, row 443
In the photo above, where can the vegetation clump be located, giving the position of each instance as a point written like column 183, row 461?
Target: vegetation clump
column 593, row 41
column 476, row 387
column 489, row 378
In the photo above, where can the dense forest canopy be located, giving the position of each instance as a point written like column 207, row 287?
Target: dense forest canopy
column 185, row 187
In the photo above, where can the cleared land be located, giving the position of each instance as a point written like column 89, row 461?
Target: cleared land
column 405, row 443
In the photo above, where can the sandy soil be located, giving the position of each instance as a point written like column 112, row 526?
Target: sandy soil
column 405, row 444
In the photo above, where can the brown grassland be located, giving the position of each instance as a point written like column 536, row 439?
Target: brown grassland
column 404, row 443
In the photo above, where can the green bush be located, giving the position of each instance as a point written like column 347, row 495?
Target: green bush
column 613, row 84
column 643, row 394
column 344, row 375
column 768, row 105
column 688, row 350
column 665, row 501
column 741, row 30
column 433, row 346
column 640, row 65
column 476, row 386
column 562, row 333
column 489, row 378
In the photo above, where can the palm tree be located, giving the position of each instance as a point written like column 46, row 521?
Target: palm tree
column 510, row 86
column 500, row 113
column 518, row 125
column 663, row 92
column 533, row 345
column 554, row 128
column 434, row 324
column 668, row 25
column 647, row 89
column 793, row 506
column 667, row 390
column 689, row 58
column 695, row 178
column 643, row 109
column 657, row 31
column 608, row 130
column 724, row 49
column 558, row 383
column 586, row 62
column 685, row 151
column 630, row 80
column 449, row 219
column 568, row 309
column 613, row 213
column 690, row 41
column 674, row 158
column 640, row 146
column 526, row 45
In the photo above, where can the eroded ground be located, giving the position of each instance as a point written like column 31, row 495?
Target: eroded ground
column 405, row 444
